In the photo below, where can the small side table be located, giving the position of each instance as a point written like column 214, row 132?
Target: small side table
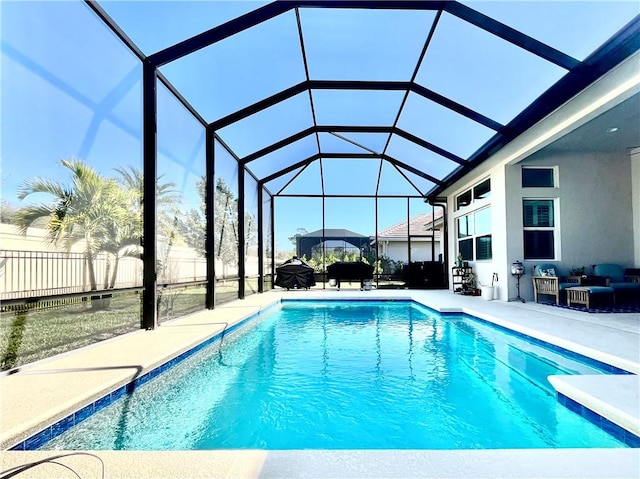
column 582, row 294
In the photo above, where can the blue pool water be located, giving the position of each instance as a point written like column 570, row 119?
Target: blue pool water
column 350, row 375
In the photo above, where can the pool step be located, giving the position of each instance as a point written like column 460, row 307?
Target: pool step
column 606, row 400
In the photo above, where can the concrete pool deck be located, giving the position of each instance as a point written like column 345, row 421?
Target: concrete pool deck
column 47, row 391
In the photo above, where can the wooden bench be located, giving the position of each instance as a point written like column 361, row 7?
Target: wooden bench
column 582, row 294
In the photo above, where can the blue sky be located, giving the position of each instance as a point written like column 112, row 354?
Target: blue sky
column 70, row 89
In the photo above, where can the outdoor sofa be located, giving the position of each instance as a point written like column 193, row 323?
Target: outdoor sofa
column 610, row 282
column 624, row 282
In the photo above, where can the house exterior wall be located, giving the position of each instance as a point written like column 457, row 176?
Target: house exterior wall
column 500, row 262
column 497, row 201
column 594, row 198
column 398, row 251
column 635, row 198
column 598, row 195
column 593, row 211
column 421, row 251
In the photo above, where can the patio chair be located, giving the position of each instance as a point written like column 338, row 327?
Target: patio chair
column 547, row 281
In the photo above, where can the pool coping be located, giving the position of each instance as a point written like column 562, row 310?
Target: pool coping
column 337, row 464
column 583, row 395
column 275, row 299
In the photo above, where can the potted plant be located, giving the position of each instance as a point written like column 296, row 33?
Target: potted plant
column 578, row 273
column 459, row 261
column 470, row 285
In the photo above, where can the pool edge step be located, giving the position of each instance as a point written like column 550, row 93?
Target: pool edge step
column 607, row 400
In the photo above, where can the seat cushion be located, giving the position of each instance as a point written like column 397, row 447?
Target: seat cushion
column 599, row 289
column 625, row 286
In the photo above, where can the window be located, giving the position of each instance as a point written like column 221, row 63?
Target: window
column 483, row 190
column 463, row 200
column 539, row 229
column 478, row 192
column 538, row 177
column 474, row 235
column 483, row 247
column 465, row 237
column 482, row 219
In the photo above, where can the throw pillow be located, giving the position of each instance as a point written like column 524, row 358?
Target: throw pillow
column 548, row 272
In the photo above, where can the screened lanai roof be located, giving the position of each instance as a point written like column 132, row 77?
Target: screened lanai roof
column 373, row 97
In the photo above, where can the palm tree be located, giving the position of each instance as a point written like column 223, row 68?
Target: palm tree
column 88, row 209
column 192, row 224
column 168, row 198
column 122, row 239
column 168, row 201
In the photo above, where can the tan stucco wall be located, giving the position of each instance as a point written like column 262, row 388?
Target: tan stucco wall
column 34, row 240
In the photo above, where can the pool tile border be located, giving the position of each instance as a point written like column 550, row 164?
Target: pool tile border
column 620, row 433
column 608, row 368
column 38, row 439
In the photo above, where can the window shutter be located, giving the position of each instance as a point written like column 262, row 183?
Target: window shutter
column 465, row 248
column 543, row 215
column 538, row 213
column 483, row 247
column 528, row 213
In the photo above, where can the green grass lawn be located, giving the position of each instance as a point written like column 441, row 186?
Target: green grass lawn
column 36, row 334
column 29, row 336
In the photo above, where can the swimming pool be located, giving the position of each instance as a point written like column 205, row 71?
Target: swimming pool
column 350, row 375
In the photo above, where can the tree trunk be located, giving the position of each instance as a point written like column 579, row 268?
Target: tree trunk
column 92, row 273
column 114, row 275
column 97, row 301
column 107, row 269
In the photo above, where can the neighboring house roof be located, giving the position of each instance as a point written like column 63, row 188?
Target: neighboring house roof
column 333, row 233
column 418, row 225
column 305, row 243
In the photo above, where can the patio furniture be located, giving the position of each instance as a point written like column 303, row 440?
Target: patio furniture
column 586, row 294
column 623, row 281
column 547, row 281
column 423, row 274
column 351, row 271
column 295, row 273
column 460, row 278
column 517, row 270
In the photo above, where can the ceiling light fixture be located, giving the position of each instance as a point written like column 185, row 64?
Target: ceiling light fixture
column 613, row 129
